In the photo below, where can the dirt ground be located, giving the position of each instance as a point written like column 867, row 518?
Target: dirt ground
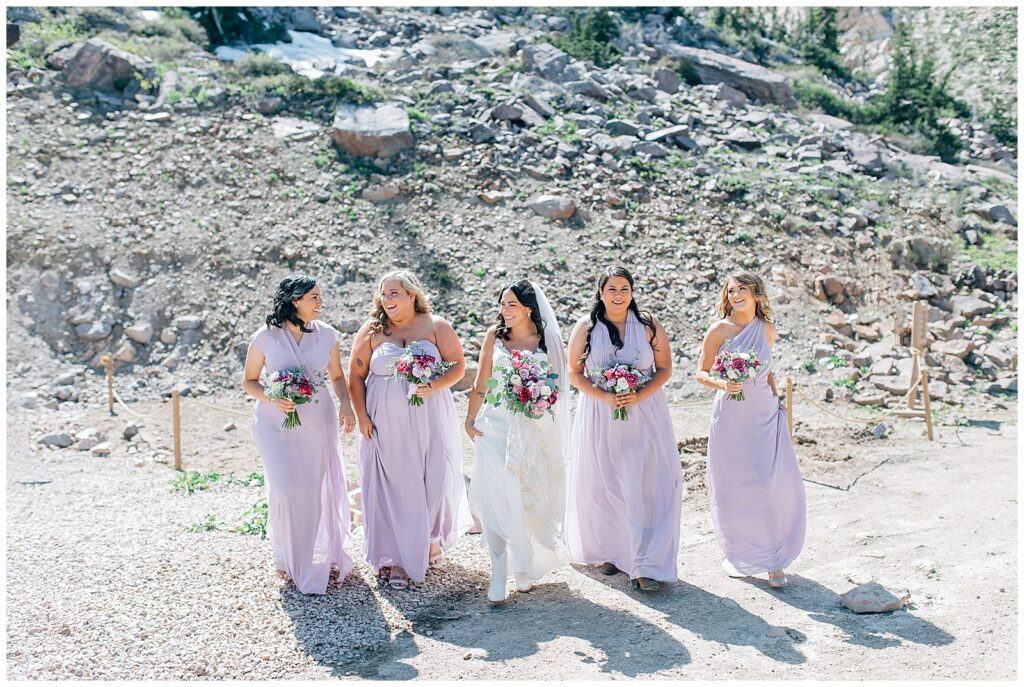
column 937, row 519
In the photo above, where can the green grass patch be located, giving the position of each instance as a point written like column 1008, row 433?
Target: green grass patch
column 36, row 36
column 255, row 522
column 208, row 524
column 845, row 383
column 191, row 482
column 834, row 361
column 994, row 252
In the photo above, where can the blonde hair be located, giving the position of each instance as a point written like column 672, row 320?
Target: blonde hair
column 762, row 308
column 379, row 317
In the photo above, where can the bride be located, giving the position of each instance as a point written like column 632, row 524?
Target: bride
column 518, row 486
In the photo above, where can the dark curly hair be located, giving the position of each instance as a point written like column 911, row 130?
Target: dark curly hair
column 291, row 288
column 523, row 290
column 597, row 312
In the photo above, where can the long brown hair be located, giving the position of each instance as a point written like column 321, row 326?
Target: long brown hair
column 597, row 312
column 527, row 297
column 762, row 308
column 409, row 281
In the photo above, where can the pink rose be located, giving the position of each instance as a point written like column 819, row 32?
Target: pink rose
column 739, row 364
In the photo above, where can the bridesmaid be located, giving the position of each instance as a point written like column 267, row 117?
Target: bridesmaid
column 757, row 495
column 306, row 494
column 625, row 480
column 410, row 457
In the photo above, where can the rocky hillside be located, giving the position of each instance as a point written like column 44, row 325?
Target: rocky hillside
column 157, row 192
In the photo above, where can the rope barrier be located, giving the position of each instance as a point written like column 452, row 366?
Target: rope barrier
column 865, row 421
column 121, row 402
column 218, row 408
column 691, row 405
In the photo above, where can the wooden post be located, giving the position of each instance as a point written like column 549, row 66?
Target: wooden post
column 915, row 375
column 926, row 397
column 789, row 405
column 108, row 364
column 176, row 409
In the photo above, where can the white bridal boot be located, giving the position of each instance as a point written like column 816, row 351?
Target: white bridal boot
column 497, row 593
column 523, row 583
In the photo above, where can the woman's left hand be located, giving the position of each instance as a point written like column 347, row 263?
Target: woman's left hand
column 626, row 400
column 424, row 390
column 347, row 419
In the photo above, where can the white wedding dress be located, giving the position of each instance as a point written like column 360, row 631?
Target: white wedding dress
column 518, row 486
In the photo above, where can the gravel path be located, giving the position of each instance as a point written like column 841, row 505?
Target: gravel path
column 103, row 582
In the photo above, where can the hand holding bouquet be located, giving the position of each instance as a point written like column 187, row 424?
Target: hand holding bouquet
column 619, row 379
column 735, row 366
column 296, row 385
column 527, row 386
column 416, row 366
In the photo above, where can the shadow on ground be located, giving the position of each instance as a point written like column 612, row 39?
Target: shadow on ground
column 618, row 641
column 868, row 630
column 712, row 618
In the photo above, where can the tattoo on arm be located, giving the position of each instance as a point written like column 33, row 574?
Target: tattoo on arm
column 481, row 394
column 359, row 362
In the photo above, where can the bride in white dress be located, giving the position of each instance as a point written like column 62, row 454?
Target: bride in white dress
column 518, row 486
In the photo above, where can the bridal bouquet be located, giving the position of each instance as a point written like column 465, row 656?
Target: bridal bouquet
column 296, row 385
column 736, row 366
column 527, row 385
column 418, row 367
column 619, row 378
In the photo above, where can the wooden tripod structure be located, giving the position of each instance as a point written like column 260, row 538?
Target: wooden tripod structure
column 918, row 375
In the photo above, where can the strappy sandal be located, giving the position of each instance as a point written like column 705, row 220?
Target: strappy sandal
column 777, row 581
column 397, row 582
column 435, row 559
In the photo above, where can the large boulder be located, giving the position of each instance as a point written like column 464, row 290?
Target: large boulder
column 755, row 81
column 872, row 598
column 546, row 60
column 447, row 48
column 372, row 130
column 927, row 252
column 554, row 207
column 99, row 65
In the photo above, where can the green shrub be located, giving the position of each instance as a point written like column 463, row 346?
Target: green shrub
column 226, row 25
column 733, row 184
column 914, row 101
column 590, row 38
column 36, row 36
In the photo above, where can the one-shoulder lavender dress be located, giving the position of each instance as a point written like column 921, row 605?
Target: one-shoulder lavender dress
column 625, row 486
column 308, row 518
column 757, row 495
column 410, row 470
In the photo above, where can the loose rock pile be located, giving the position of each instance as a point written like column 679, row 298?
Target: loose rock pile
column 152, row 222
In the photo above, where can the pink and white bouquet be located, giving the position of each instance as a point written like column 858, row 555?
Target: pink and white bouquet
column 736, row 366
column 416, row 366
column 619, row 379
column 527, row 386
column 296, row 385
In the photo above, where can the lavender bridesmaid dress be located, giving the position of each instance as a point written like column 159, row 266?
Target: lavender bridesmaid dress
column 305, row 481
column 410, row 470
column 625, row 482
column 757, row 495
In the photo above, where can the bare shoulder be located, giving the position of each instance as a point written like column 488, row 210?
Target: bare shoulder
column 654, row 320
column 441, row 324
column 718, row 331
column 770, row 327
